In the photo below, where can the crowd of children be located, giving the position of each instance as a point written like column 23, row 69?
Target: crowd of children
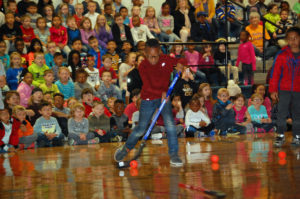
column 72, row 72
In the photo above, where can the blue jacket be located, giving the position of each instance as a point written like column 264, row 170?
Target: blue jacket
column 223, row 118
column 12, row 77
column 95, row 54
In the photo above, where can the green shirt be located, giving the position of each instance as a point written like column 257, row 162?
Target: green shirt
column 38, row 73
column 53, row 89
column 296, row 8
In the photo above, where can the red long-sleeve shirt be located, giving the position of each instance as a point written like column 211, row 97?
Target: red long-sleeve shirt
column 59, row 36
column 14, row 136
column 156, row 78
column 28, row 34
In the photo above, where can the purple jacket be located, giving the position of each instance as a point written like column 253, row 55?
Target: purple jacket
column 103, row 37
column 86, row 35
column 25, row 92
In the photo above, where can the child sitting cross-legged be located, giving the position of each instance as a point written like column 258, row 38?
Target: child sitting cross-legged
column 196, row 121
column 81, row 82
column 99, row 123
column 78, row 127
column 47, row 128
column 26, row 136
column 224, row 116
column 242, row 116
column 61, row 113
column 259, row 116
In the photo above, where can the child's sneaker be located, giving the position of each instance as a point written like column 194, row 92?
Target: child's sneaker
column 175, row 160
column 199, row 134
column 279, row 140
column 117, row 138
column 71, row 142
column 156, row 136
column 223, row 133
column 259, row 130
column 296, row 141
column 32, row 146
column 94, row 141
column 121, row 153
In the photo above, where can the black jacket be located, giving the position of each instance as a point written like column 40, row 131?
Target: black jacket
column 180, row 21
column 116, row 34
column 200, row 32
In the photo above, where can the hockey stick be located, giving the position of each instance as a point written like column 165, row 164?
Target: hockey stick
column 125, row 164
column 217, row 194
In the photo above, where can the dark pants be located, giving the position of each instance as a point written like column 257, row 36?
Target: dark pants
column 288, row 99
column 270, row 51
column 190, row 130
column 43, row 141
column 63, row 123
column 247, row 73
column 266, row 126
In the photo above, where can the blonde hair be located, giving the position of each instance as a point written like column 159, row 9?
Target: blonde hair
column 256, row 95
column 147, row 10
column 200, row 90
column 63, row 68
column 172, row 50
column 24, row 17
column 60, row 7
column 96, row 103
column 12, row 55
column 97, row 26
column 127, row 57
column 18, row 108
column 223, row 90
column 38, row 53
column 78, row 5
column 76, row 106
column 186, row 7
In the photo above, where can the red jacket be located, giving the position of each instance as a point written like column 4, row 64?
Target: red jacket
column 59, row 36
column 88, row 108
column 156, row 78
column 14, row 137
column 285, row 73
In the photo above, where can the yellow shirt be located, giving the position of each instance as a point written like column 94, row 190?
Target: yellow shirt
column 256, row 35
column 54, row 89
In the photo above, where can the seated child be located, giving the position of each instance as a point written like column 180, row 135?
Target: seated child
column 61, row 113
column 25, row 89
column 224, row 116
column 13, row 73
column 119, row 121
column 4, row 58
column 96, row 51
column 261, row 89
column 93, row 73
column 259, row 116
column 37, row 68
column 78, row 127
column 34, row 104
column 111, row 104
column 49, row 86
column 9, row 138
column 99, row 123
column 242, row 116
column 47, row 128
column 58, row 62
column 26, row 136
column 196, row 121
column 81, row 82
column 107, row 66
column 115, row 58
column 49, row 57
column 107, row 89
column 64, row 84
column 132, row 107
column 87, row 98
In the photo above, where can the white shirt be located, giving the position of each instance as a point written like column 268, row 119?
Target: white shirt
column 92, row 17
column 7, row 128
column 194, row 118
column 93, row 78
column 123, row 80
column 141, row 33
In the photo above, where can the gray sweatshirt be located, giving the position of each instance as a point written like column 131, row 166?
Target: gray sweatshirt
column 78, row 127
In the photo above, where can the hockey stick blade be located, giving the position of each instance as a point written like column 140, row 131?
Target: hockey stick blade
column 126, row 164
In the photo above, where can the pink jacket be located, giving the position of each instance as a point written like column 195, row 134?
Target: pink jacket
column 25, row 92
column 246, row 54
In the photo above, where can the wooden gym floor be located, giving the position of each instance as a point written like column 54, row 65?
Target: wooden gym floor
column 249, row 167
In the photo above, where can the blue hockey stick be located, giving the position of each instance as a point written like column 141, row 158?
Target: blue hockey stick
column 125, row 164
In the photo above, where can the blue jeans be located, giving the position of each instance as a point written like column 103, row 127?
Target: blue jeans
column 147, row 109
column 43, row 141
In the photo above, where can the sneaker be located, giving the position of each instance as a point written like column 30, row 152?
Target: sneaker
column 71, row 142
column 233, row 39
column 223, row 133
column 156, row 136
column 94, row 141
column 259, row 130
column 117, row 138
column 175, row 161
column 121, row 153
column 279, row 141
column 296, row 141
column 199, row 134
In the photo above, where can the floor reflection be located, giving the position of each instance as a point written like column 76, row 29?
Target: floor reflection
column 248, row 167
